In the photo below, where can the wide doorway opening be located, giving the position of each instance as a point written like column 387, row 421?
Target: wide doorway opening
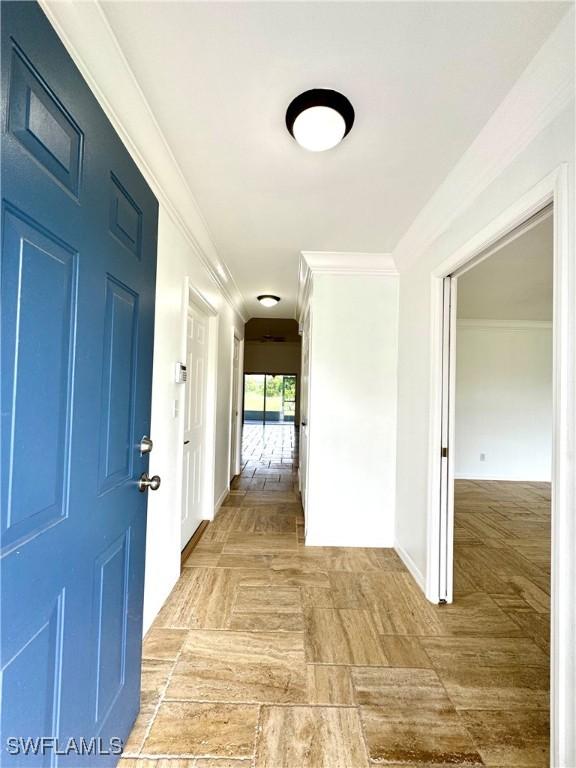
column 496, row 472
column 269, row 398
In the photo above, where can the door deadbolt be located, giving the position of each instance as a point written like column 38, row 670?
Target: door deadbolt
column 146, row 445
column 145, row 482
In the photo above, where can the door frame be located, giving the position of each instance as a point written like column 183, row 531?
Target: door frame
column 192, row 297
column 553, row 189
column 236, row 445
column 269, row 373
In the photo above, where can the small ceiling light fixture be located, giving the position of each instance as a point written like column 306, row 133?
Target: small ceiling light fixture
column 319, row 119
column 268, row 300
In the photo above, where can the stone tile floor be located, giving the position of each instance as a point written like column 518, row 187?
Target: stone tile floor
column 271, row 654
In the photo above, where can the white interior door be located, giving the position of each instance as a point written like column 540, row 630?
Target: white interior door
column 304, row 410
column 235, row 409
column 446, row 447
column 194, row 422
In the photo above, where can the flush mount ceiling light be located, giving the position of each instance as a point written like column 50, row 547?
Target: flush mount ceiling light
column 319, row 119
column 268, row 300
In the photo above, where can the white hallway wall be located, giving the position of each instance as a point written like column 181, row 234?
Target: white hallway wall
column 352, row 411
column 503, row 400
column 176, row 260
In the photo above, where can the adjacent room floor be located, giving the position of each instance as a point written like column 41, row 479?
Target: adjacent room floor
column 272, row 654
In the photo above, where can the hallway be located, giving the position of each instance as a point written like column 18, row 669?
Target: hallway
column 271, row 654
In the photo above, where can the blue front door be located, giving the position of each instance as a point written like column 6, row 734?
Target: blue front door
column 79, row 230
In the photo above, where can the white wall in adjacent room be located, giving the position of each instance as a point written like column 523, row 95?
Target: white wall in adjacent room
column 503, row 400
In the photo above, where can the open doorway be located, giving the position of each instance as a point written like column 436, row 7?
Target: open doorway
column 496, row 467
column 502, row 444
column 269, row 398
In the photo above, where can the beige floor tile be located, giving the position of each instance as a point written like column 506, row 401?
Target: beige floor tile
column 342, row 637
column 269, row 497
column 238, row 682
column 133, row 743
column 206, row 762
column 273, row 599
column 510, row 738
column 496, row 687
column 417, row 737
column 245, row 562
column 401, row 607
column 258, row 520
column 202, row 598
column 310, row 737
column 400, row 690
column 261, row 543
column 329, row 684
column 163, row 644
column 471, row 652
column 475, row 614
column 402, row 651
column 205, row 730
column 204, row 555
column 317, row 597
column 267, row 622
column 153, row 682
column 535, row 626
column 244, row 647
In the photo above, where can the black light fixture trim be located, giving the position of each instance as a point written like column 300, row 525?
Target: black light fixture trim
column 268, row 296
column 320, row 97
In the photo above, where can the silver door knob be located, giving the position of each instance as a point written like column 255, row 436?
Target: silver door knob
column 146, row 445
column 145, row 482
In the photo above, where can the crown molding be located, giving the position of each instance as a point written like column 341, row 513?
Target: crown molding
column 339, row 263
column 504, row 325
column 542, row 92
column 88, row 37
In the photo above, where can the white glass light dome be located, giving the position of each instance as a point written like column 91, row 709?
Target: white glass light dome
column 319, row 119
column 268, row 300
column 319, row 128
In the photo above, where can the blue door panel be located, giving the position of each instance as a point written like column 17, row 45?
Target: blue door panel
column 117, row 408
column 34, row 672
column 38, row 279
column 111, row 610
column 79, row 230
column 41, row 123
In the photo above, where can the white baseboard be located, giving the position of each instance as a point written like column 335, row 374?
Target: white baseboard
column 220, row 500
column 412, row 567
column 504, row 477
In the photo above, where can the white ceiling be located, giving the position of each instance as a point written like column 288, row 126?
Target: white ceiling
column 423, row 77
column 513, row 284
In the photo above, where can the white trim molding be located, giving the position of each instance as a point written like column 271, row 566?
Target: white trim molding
column 556, row 189
column 504, row 325
column 88, row 37
column 416, row 573
column 339, row 263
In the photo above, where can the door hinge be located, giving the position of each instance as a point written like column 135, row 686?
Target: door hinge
column 444, row 452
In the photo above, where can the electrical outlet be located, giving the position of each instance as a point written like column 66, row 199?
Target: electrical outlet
column 482, row 457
